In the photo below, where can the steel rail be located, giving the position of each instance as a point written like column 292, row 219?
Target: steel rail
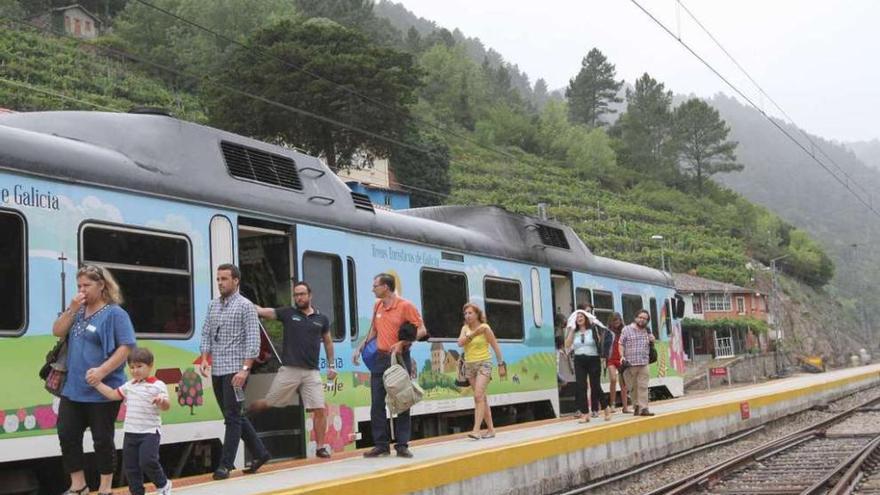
column 693, row 481
column 851, row 478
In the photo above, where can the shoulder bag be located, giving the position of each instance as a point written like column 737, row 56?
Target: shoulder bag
column 54, row 371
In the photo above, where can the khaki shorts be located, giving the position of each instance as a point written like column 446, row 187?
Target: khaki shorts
column 289, row 380
column 471, row 370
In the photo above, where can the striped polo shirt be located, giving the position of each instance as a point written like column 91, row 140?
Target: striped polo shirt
column 141, row 415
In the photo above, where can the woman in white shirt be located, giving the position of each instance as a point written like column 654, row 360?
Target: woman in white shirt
column 586, row 341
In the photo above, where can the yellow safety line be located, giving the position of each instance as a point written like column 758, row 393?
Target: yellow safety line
column 455, row 468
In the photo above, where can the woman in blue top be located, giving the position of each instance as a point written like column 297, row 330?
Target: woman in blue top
column 100, row 336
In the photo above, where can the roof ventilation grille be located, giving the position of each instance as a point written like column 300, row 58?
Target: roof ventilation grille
column 552, row 236
column 362, row 201
column 256, row 165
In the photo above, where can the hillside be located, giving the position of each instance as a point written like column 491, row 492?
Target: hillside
column 503, row 150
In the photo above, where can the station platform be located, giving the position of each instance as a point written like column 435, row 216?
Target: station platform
column 546, row 456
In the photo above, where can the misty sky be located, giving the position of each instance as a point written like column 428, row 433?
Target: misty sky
column 817, row 60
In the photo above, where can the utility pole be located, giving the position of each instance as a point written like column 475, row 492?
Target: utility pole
column 777, row 321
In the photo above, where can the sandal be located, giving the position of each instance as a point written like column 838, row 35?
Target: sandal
column 584, row 419
column 474, row 436
column 82, row 491
column 487, row 435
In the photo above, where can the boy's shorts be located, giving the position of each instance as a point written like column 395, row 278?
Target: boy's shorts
column 289, row 380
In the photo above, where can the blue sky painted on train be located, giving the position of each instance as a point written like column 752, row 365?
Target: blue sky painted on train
column 816, row 59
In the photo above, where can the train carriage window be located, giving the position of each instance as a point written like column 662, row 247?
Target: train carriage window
column 323, row 272
column 352, row 299
column 537, row 307
column 668, row 319
column 582, row 296
column 631, row 305
column 655, row 322
column 154, row 273
column 13, row 262
column 443, row 295
column 504, row 311
column 603, row 305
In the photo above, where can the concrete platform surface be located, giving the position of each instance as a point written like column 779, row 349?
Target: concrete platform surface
column 550, row 455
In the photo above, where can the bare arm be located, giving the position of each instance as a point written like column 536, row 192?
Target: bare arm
column 490, row 337
column 95, row 375
column 108, row 392
column 569, row 340
column 331, row 356
column 65, row 320
column 266, row 313
column 463, row 338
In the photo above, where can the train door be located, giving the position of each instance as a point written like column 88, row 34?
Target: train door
column 265, row 254
column 563, row 305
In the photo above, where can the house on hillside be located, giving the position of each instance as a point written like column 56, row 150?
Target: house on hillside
column 73, row 20
column 720, row 319
column 378, row 183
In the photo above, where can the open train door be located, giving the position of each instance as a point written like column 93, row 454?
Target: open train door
column 266, row 253
column 563, row 305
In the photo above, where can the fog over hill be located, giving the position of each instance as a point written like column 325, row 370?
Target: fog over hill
column 867, row 151
column 782, row 177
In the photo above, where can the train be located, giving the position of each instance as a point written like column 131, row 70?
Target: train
column 163, row 202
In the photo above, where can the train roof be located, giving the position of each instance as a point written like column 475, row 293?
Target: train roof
column 160, row 155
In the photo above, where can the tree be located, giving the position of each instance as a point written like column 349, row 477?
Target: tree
column 355, row 14
column 189, row 392
column 701, row 141
column 426, row 174
column 592, row 91
column 540, row 95
column 356, row 75
column 645, row 130
column 453, row 85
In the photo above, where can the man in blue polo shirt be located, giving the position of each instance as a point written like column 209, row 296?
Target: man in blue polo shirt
column 304, row 330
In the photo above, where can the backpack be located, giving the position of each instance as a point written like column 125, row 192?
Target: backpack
column 401, row 392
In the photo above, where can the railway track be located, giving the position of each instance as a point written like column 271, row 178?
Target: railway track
column 837, row 456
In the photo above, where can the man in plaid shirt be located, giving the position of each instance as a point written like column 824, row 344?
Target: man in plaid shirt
column 634, row 342
column 230, row 342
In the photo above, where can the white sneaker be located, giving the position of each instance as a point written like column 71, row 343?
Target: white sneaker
column 165, row 490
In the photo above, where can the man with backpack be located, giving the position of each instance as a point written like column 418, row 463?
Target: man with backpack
column 389, row 314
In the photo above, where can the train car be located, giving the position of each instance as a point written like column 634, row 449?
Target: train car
column 161, row 203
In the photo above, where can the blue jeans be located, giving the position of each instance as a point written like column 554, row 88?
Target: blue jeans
column 238, row 427
column 378, row 416
column 140, row 454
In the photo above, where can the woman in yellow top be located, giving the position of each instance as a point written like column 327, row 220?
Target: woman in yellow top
column 476, row 337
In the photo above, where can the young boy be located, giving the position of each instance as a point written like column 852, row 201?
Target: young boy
column 144, row 397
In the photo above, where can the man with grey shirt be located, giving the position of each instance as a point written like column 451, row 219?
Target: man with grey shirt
column 231, row 342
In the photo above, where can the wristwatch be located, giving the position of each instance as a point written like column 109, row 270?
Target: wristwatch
column 245, row 367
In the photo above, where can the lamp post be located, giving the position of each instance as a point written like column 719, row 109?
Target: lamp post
column 657, row 237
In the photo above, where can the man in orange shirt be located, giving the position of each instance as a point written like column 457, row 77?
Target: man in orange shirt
column 391, row 311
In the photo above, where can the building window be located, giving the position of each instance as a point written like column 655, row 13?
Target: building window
column 741, row 305
column 154, row 272
column 13, row 263
column 603, row 305
column 717, row 302
column 88, row 26
column 77, row 27
column 323, row 272
column 631, row 305
column 443, row 295
column 697, row 302
column 504, row 308
column 387, row 199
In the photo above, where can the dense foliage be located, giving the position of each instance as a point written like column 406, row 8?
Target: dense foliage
column 615, row 188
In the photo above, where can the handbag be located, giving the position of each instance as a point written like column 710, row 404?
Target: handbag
column 401, row 391
column 54, row 371
column 652, row 353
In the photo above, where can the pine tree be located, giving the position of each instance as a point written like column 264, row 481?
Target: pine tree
column 644, row 132
column 592, row 91
column 701, row 142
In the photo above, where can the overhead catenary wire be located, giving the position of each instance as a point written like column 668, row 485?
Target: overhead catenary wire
column 770, row 98
column 776, row 124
